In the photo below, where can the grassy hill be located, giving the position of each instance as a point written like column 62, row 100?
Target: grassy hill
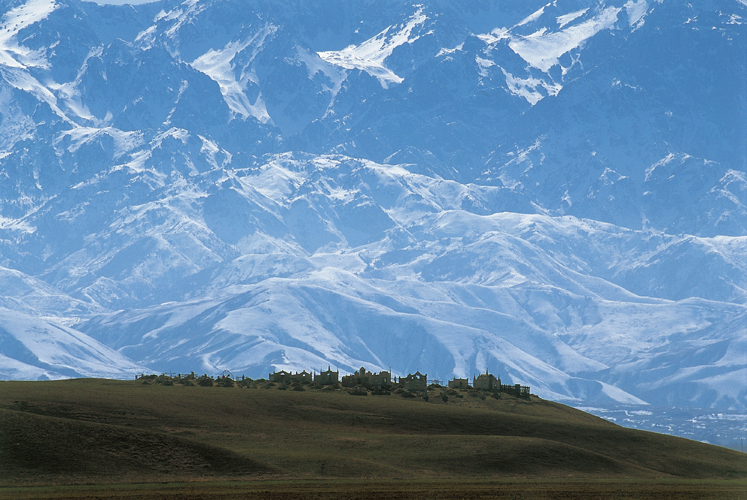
column 104, row 431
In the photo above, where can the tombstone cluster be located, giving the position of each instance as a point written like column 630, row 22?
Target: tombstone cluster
column 359, row 383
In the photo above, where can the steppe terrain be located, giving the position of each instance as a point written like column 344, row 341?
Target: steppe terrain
column 92, row 438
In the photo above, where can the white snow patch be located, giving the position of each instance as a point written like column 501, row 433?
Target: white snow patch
column 178, row 16
column 484, row 64
column 15, row 20
column 532, row 17
column 219, row 65
column 123, row 141
column 568, row 18
column 621, row 396
column 16, row 224
column 495, row 36
column 664, row 161
column 370, row 55
column 22, row 80
column 446, row 52
column 527, row 87
column 636, row 11
column 543, row 50
column 315, row 64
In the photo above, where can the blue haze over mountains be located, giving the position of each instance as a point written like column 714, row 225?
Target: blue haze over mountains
column 554, row 191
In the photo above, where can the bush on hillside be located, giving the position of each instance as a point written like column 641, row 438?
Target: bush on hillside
column 224, row 382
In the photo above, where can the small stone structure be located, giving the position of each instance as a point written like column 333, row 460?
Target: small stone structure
column 365, row 378
column 284, row 377
column 487, row 382
column 327, row 378
column 459, row 383
column 520, row 391
column 416, row 382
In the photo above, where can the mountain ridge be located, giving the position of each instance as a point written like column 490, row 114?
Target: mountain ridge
column 526, row 188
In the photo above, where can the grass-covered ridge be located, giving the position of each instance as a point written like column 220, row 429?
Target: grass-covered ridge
column 105, row 431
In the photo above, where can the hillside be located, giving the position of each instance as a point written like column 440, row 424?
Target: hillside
column 104, row 431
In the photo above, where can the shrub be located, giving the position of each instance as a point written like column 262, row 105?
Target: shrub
column 224, row 382
column 406, row 394
column 444, row 397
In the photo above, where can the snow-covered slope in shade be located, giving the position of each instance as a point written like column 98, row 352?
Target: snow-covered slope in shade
column 34, row 349
column 425, row 283
column 26, row 294
column 15, row 20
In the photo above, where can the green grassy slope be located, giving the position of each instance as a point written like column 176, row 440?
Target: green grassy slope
column 120, row 431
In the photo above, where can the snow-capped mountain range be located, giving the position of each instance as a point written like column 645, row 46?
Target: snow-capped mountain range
column 553, row 191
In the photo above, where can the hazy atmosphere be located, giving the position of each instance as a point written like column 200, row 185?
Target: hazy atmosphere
column 553, row 191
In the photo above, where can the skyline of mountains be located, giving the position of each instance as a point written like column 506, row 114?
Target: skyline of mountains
column 556, row 192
